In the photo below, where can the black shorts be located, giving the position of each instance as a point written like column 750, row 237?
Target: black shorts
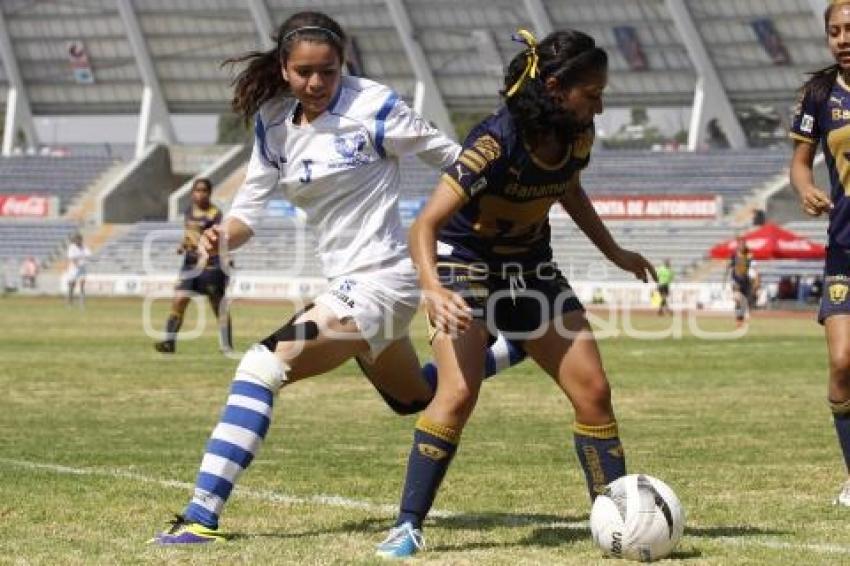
column 211, row 282
column 664, row 289
column 514, row 304
column 836, row 284
column 742, row 285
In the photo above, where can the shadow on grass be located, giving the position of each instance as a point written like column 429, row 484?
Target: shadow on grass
column 471, row 521
column 731, row 531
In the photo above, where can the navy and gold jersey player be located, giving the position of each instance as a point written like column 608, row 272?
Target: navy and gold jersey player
column 203, row 276
column 503, row 228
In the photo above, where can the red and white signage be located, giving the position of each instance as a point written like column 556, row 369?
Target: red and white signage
column 658, row 207
column 29, row 206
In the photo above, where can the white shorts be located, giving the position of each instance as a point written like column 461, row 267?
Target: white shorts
column 75, row 273
column 382, row 302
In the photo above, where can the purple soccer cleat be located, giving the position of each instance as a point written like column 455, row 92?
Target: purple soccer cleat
column 186, row 532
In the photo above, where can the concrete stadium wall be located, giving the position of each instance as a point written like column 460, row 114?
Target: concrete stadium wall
column 142, row 191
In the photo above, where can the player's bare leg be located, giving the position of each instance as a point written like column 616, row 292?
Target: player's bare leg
column 838, row 344
column 571, row 357
column 173, row 324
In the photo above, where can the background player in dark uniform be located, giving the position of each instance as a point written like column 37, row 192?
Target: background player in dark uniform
column 742, row 287
column 196, row 276
column 822, row 116
column 482, row 246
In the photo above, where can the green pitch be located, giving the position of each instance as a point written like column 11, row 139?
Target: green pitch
column 101, row 438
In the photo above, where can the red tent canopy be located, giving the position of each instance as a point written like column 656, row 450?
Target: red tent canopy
column 772, row 242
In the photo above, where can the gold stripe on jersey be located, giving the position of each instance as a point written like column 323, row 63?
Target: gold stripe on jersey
column 473, row 161
column 582, row 146
column 488, row 147
column 455, row 186
column 798, row 137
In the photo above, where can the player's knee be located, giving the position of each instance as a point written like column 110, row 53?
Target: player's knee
column 839, row 364
column 260, row 365
column 595, row 394
column 458, row 399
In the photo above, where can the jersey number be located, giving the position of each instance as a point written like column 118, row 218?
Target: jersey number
column 308, row 171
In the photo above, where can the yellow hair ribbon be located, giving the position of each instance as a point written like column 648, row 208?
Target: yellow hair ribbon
column 531, row 60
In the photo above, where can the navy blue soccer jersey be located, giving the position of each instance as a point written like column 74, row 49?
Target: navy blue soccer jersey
column 828, row 123
column 195, row 221
column 507, row 194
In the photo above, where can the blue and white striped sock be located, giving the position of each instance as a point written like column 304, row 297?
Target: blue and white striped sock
column 237, row 436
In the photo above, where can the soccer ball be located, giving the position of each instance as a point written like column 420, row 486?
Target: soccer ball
column 637, row 517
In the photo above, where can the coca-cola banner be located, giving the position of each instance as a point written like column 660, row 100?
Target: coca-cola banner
column 30, row 206
column 655, row 207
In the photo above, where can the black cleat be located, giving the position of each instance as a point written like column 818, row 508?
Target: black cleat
column 165, row 347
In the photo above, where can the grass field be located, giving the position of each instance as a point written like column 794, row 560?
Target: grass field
column 101, row 438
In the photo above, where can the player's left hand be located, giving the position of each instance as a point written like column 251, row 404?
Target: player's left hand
column 634, row 263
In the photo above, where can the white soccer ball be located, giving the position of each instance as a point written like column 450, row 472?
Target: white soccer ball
column 638, row 517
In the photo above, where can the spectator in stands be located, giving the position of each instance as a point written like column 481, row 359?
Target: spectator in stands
column 75, row 274
column 29, row 273
column 208, row 277
column 331, row 143
column 665, row 278
column 742, row 289
column 819, row 120
column 483, row 251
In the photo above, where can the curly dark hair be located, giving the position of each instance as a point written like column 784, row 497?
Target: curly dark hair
column 570, row 56
column 261, row 80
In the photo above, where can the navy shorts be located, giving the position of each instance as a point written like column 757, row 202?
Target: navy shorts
column 742, row 284
column 211, row 282
column 836, row 283
column 514, row 304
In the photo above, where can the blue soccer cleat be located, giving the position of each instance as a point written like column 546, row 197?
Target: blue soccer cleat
column 402, row 542
column 187, row 532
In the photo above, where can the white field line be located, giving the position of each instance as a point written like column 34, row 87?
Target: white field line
column 339, row 501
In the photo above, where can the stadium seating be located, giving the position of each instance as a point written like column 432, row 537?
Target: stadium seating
column 150, row 247
column 45, row 240
column 734, row 175
column 63, row 177
column 685, row 244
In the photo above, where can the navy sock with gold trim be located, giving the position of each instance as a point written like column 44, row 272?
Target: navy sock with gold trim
column 600, row 454
column 434, row 445
column 841, row 417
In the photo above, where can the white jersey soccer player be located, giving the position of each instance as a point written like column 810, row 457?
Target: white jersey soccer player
column 78, row 254
column 342, row 170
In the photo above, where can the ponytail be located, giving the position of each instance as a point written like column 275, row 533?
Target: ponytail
column 259, row 81
column 262, row 78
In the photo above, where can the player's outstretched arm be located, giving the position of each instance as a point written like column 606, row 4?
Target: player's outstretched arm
column 578, row 206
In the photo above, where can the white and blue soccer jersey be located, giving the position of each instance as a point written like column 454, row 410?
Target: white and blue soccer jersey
column 342, row 170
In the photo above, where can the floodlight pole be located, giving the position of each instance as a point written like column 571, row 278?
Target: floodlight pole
column 18, row 110
column 263, row 22
column 539, row 17
column 710, row 97
column 154, row 119
column 428, row 99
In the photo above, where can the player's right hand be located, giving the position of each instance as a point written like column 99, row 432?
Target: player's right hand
column 210, row 241
column 447, row 311
column 814, row 201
